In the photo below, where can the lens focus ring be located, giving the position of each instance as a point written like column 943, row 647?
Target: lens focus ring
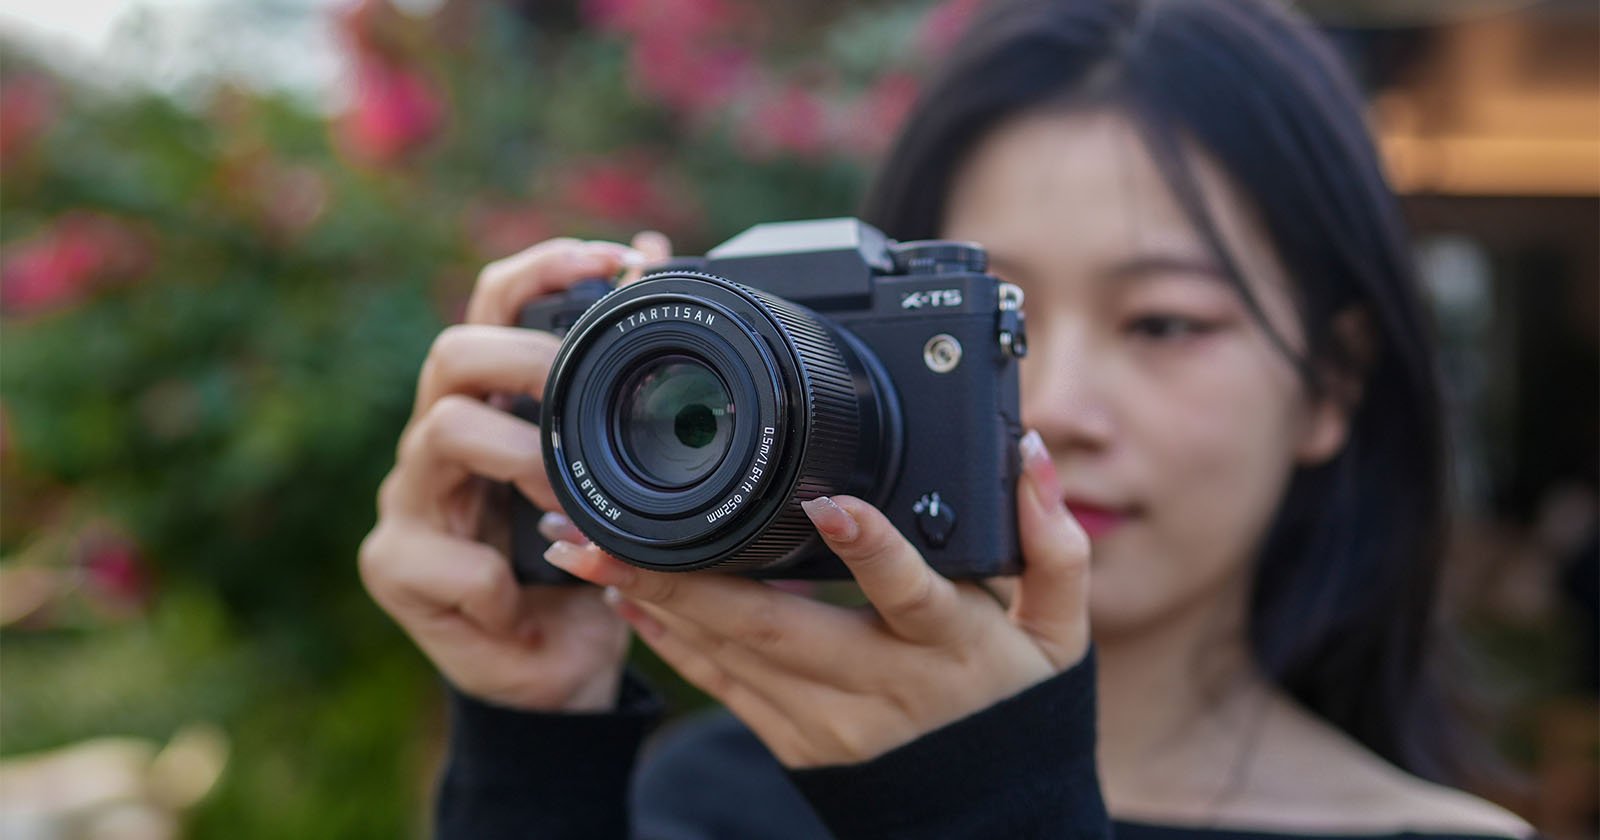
column 829, row 441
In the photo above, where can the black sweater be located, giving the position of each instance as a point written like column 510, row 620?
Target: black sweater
column 1022, row 768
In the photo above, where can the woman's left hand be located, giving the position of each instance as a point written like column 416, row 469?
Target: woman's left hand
column 824, row 685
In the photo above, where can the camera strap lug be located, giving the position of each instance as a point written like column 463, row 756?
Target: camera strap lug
column 1013, row 328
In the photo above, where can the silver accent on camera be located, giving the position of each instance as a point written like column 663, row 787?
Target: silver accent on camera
column 1013, row 342
column 942, row 353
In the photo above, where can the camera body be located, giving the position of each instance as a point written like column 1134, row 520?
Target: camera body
column 687, row 415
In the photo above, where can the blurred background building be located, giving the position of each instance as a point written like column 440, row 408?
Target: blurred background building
column 1488, row 119
column 230, row 229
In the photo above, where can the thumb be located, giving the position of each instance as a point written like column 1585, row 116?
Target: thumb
column 910, row 597
column 1052, row 602
column 653, row 244
column 656, row 248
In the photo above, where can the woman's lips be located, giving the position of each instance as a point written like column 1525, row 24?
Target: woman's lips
column 1096, row 521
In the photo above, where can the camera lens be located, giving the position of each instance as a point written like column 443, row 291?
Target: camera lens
column 674, row 421
column 686, row 417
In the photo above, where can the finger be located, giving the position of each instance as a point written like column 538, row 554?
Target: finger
column 1052, row 596
column 458, row 438
column 764, row 676
column 559, row 637
column 1002, row 589
column 673, row 642
column 800, row 634
column 797, row 715
column 476, row 360
column 413, row 569
column 655, row 247
column 504, row 286
column 913, row 600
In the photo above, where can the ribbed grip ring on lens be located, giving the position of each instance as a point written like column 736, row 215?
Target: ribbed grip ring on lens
column 828, row 437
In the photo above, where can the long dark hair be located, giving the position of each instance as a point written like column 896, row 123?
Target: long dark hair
column 1342, row 606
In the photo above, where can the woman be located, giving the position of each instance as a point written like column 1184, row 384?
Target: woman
column 1234, row 412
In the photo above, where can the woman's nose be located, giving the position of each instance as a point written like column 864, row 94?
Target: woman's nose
column 1063, row 394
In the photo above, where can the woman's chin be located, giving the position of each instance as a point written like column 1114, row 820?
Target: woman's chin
column 1122, row 598
column 1128, row 591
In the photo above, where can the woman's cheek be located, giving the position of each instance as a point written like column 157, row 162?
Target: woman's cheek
column 1209, row 435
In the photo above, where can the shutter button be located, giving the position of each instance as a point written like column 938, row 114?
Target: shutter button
column 935, row 519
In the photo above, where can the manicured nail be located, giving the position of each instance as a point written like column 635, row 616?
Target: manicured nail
column 1040, row 469
column 642, row 622
column 606, row 572
column 634, row 259
column 833, row 521
column 554, row 527
column 564, row 555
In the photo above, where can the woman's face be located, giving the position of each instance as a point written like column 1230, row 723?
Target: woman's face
column 1174, row 420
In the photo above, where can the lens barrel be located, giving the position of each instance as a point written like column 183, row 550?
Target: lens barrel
column 686, row 417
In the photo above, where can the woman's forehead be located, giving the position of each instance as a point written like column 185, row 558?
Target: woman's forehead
column 1083, row 185
column 1037, row 172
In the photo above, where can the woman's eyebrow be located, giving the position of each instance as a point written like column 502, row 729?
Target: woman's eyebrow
column 1136, row 267
column 1151, row 264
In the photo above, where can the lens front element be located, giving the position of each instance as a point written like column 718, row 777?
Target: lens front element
column 674, row 421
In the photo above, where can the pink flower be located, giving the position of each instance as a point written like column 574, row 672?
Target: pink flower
column 619, row 190
column 682, row 20
column 686, row 77
column 790, row 121
column 62, row 264
column 627, row 190
column 944, row 26
column 395, row 112
column 27, row 108
column 679, row 55
column 115, row 571
column 499, row 230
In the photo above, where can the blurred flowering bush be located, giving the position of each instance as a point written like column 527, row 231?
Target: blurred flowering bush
column 214, row 309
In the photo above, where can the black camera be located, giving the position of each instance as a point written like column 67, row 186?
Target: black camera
column 687, row 416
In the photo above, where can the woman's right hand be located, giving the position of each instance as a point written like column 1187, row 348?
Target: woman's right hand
column 437, row 559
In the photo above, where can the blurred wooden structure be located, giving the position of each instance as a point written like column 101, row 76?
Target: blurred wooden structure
column 1502, row 105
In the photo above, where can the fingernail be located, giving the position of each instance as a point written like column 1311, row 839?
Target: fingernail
column 603, row 571
column 1039, row 468
column 634, row 259
column 553, row 526
column 833, row 521
column 642, row 622
column 564, row 555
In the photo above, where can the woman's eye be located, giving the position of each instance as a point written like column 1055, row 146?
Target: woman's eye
column 1167, row 327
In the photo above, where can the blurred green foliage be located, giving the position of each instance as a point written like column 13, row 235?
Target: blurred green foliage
column 216, row 305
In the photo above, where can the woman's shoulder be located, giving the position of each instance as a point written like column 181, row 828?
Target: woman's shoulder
column 1454, row 811
column 1330, row 779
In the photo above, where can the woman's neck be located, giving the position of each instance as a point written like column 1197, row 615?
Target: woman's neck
column 1179, row 702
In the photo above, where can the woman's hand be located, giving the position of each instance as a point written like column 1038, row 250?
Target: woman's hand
column 825, row 685
column 437, row 558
